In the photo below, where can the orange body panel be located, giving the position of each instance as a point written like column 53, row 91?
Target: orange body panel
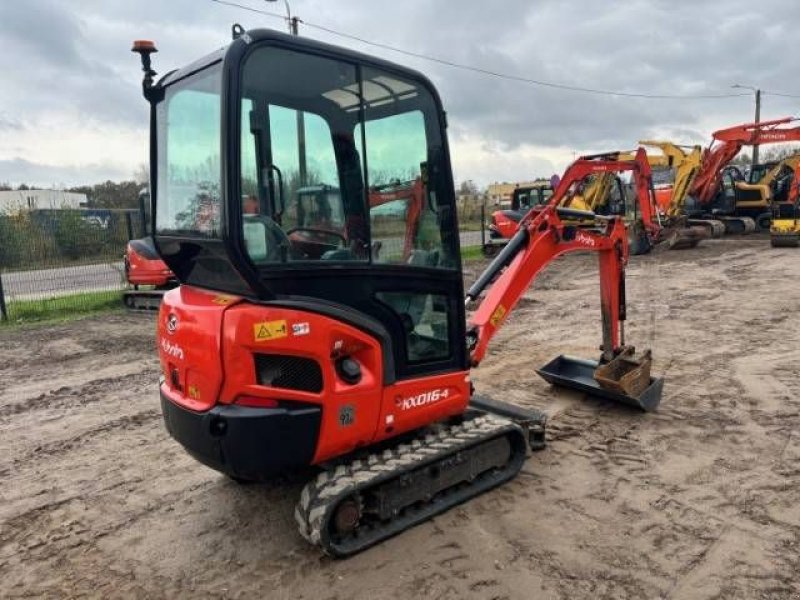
column 215, row 338
column 143, row 271
column 504, row 226
column 663, row 198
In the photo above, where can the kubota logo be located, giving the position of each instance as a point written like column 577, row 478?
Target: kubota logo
column 422, row 399
column 171, row 349
column 584, row 239
column 172, row 323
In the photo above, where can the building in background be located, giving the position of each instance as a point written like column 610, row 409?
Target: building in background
column 499, row 194
column 15, row 201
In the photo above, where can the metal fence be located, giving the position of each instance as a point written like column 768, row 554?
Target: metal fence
column 53, row 261
column 56, row 260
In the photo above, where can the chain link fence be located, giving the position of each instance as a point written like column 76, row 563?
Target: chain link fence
column 63, row 260
column 71, row 260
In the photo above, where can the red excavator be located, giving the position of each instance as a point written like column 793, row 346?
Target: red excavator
column 355, row 363
column 503, row 223
column 144, row 267
column 717, row 193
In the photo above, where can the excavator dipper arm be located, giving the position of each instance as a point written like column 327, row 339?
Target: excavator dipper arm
column 539, row 240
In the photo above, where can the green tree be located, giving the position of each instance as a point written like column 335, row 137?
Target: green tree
column 75, row 237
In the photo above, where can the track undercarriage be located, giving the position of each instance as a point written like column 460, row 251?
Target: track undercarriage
column 142, row 300
column 354, row 505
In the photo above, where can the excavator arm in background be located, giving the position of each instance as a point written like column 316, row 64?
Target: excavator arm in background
column 686, row 165
column 649, row 227
column 671, row 201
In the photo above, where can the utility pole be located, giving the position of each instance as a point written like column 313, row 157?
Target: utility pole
column 757, row 92
column 292, row 22
column 758, row 120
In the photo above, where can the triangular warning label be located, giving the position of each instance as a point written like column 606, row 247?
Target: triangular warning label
column 270, row 330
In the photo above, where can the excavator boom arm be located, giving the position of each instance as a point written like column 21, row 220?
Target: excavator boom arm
column 730, row 142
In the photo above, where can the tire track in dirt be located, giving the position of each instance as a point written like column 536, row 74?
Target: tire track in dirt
column 73, row 397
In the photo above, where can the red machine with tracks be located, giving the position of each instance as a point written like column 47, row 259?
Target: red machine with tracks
column 144, row 267
column 717, row 194
column 357, row 361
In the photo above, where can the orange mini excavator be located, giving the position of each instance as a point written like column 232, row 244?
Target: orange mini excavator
column 144, row 267
column 351, row 360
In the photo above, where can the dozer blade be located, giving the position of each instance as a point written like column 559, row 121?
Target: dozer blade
column 622, row 380
column 784, row 240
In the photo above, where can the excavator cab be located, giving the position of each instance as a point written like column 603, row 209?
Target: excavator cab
column 298, row 137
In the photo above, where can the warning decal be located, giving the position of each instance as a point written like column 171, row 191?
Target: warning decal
column 270, row 330
column 497, row 315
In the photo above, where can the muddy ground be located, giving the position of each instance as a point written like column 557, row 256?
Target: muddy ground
column 698, row 500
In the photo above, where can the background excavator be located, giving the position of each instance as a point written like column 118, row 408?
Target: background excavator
column 717, row 192
column 147, row 275
column 766, row 185
column 355, row 362
column 785, row 210
column 685, row 163
column 502, row 223
column 592, row 183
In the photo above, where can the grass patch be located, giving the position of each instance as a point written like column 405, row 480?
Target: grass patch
column 471, row 254
column 62, row 308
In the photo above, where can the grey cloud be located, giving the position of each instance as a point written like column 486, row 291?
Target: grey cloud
column 76, row 55
column 19, row 170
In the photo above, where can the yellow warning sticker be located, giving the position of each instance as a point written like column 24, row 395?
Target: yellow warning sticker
column 270, row 330
column 223, row 299
column 497, row 315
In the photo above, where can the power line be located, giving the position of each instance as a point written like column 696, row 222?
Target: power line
column 780, row 94
column 489, row 72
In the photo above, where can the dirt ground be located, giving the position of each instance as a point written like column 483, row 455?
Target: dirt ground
column 698, row 500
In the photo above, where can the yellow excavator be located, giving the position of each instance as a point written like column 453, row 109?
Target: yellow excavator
column 768, row 185
column 685, row 161
column 784, row 229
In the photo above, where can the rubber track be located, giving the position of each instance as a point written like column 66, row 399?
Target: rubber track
column 142, row 301
column 322, row 494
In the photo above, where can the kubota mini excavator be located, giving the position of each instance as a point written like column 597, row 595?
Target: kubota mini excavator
column 356, row 362
column 144, row 267
column 716, row 192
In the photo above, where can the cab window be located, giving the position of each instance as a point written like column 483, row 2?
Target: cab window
column 189, row 161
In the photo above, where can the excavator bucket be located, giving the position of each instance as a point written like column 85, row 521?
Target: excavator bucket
column 686, row 237
column 626, row 379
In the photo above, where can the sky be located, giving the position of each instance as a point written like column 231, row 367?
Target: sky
column 71, row 110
